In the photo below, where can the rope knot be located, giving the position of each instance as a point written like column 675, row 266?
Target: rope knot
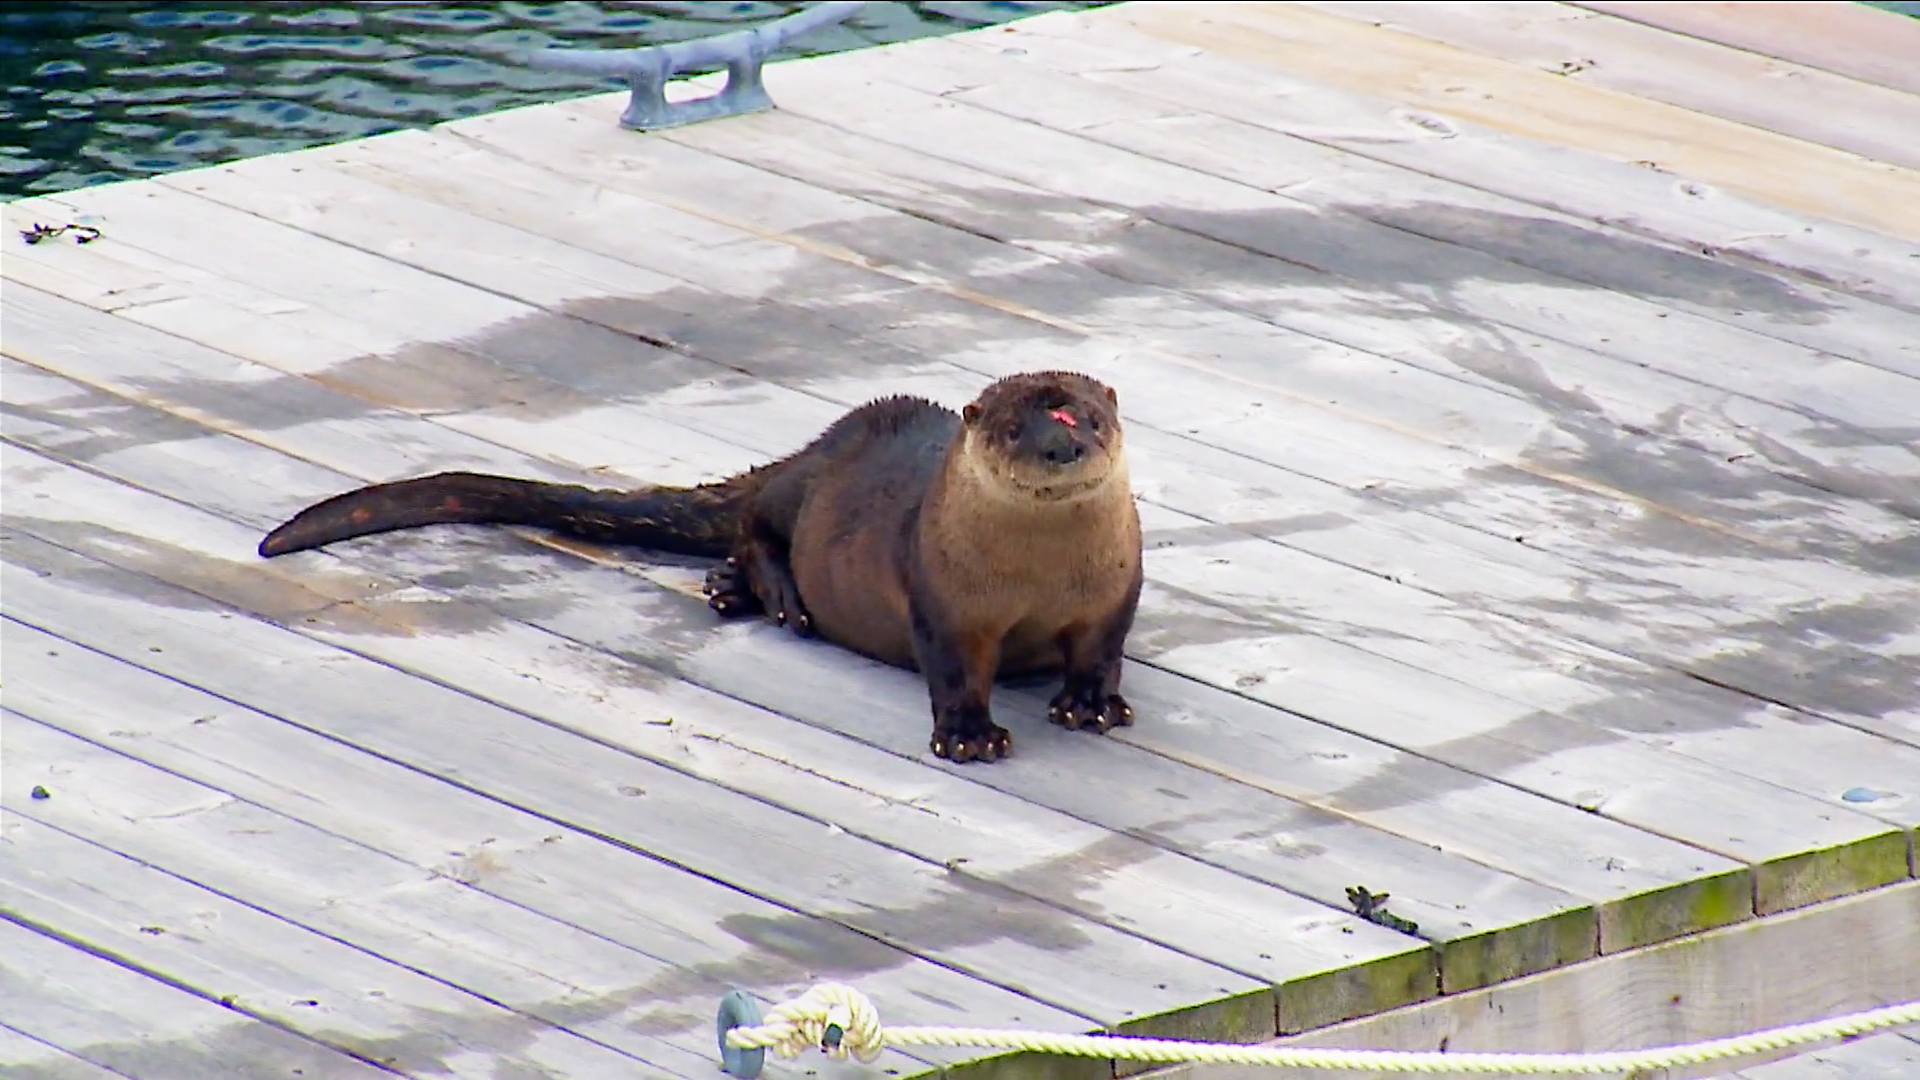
column 838, row 1020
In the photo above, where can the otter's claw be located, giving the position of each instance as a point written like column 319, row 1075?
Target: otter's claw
column 733, row 591
column 1078, row 707
column 728, row 593
column 970, row 735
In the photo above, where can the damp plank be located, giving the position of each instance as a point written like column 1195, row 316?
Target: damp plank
column 1117, row 980
column 1642, row 196
column 1501, row 906
column 262, row 966
column 1877, row 528
column 495, row 902
column 1319, row 961
column 35, row 1058
column 1589, row 871
column 1837, row 110
column 1222, row 187
column 620, row 611
column 497, row 905
column 997, row 838
column 1165, row 114
column 1688, row 786
column 1679, row 700
column 126, row 1023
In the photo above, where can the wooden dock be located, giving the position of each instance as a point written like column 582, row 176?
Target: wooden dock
column 1522, row 400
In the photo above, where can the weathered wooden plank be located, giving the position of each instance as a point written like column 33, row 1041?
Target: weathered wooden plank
column 1348, row 853
column 1621, row 927
column 517, row 914
column 468, row 161
column 1856, row 41
column 1876, row 1057
column 1692, row 72
column 1098, row 144
column 1688, row 786
column 123, row 1021
column 1856, row 953
column 1894, row 527
column 345, row 209
column 1826, row 794
column 446, row 919
column 753, row 846
column 1322, row 963
column 455, row 390
column 1578, row 388
column 33, row 1059
column 619, row 610
column 1163, row 113
column 1761, row 164
column 1642, row 200
column 1002, row 825
column 223, row 950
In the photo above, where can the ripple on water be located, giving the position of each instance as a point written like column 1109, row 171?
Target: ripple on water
column 102, row 92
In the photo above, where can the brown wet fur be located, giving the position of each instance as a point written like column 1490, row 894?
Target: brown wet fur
column 999, row 541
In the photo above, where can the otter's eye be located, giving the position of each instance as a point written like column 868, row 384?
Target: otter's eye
column 1013, row 432
column 1093, row 423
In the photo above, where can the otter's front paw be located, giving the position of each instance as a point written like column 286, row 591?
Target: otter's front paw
column 969, row 734
column 728, row 591
column 1081, row 705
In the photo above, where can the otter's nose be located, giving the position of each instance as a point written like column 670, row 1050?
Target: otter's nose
column 1065, row 453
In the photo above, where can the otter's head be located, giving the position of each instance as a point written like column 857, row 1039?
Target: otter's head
column 1049, row 435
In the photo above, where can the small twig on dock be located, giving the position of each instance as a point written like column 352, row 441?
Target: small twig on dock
column 41, row 232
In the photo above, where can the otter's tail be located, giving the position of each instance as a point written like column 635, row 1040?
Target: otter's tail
column 688, row 521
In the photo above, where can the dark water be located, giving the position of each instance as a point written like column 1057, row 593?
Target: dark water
column 107, row 91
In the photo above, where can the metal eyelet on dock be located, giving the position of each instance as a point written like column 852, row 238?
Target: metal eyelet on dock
column 738, row 1009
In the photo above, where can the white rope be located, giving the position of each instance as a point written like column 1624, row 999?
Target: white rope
column 840, row 1020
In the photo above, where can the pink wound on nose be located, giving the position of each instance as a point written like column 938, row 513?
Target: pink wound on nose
column 1064, row 417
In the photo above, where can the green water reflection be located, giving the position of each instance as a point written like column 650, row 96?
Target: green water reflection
column 102, row 91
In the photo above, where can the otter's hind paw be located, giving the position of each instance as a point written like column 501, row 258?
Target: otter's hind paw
column 733, row 592
column 969, row 734
column 1083, row 707
column 728, row 592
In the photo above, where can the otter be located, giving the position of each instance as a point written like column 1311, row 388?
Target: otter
column 997, row 542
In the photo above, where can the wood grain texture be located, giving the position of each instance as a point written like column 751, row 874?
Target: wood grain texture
column 538, row 929
column 1901, row 858
column 1369, row 129
column 260, row 965
column 1694, row 73
column 125, row 1022
column 1451, row 881
column 796, row 863
column 1853, row 39
column 1761, row 164
column 1530, row 536
column 1788, row 970
column 1892, row 1056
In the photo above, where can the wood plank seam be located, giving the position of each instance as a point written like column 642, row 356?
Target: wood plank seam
column 966, row 293
column 1816, row 262
column 54, row 934
column 585, row 552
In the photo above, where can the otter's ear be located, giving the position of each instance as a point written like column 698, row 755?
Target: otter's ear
column 1112, row 398
column 970, row 414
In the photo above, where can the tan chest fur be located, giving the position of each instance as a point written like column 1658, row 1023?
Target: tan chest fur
column 1023, row 570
